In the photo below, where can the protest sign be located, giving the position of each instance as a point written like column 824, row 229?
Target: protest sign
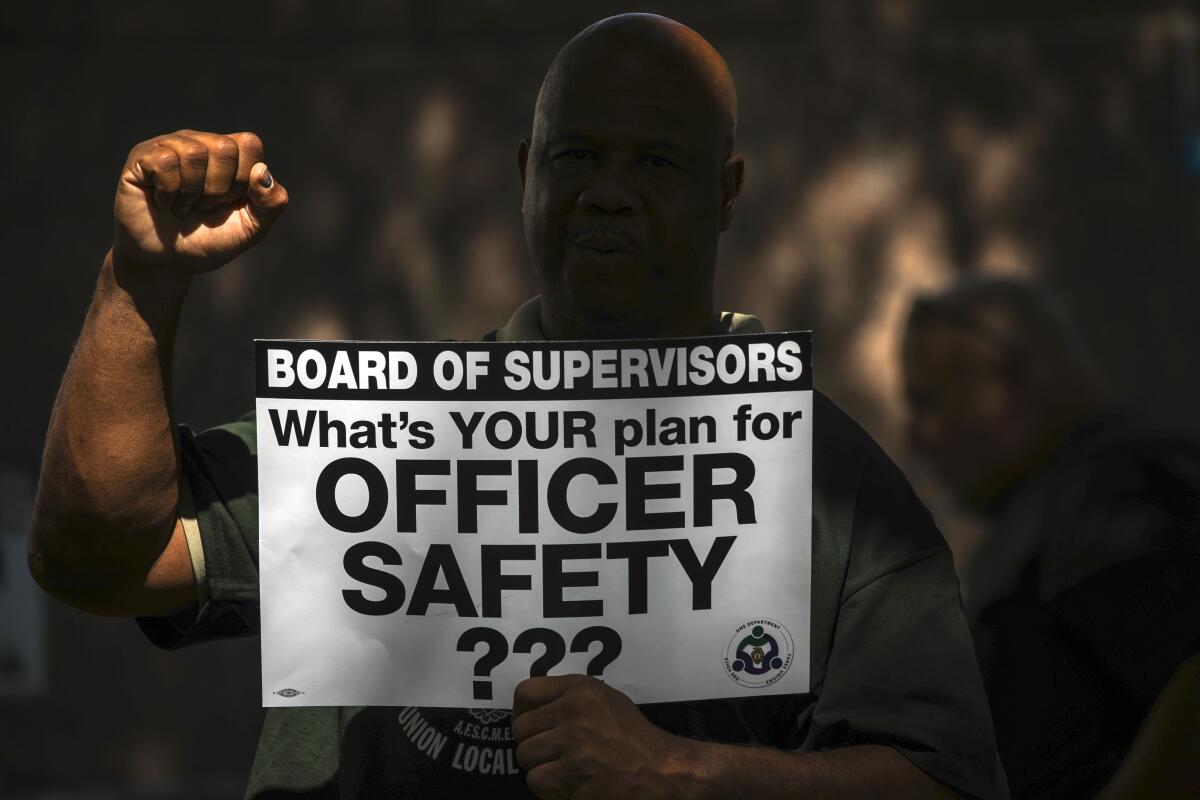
column 440, row 520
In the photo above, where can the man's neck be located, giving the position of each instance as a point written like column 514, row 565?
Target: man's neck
column 702, row 322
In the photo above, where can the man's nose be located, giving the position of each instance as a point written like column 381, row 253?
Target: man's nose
column 610, row 190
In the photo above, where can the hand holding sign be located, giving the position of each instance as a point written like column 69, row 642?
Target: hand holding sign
column 194, row 200
column 578, row 737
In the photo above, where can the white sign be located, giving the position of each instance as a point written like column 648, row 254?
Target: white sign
column 439, row 521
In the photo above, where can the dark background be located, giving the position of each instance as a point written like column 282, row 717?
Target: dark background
column 890, row 146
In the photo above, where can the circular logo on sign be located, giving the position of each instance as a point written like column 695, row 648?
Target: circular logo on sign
column 759, row 653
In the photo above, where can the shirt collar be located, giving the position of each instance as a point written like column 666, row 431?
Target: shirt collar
column 525, row 326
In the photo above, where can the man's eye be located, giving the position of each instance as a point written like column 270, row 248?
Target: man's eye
column 657, row 161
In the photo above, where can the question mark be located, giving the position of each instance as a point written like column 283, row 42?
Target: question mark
column 497, row 651
column 610, row 647
column 556, row 648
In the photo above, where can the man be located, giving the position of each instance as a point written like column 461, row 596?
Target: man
column 629, row 178
column 1082, row 597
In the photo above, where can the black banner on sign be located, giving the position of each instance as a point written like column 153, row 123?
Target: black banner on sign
column 574, row 370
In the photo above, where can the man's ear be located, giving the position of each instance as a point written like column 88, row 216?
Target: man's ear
column 522, row 159
column 732, row 174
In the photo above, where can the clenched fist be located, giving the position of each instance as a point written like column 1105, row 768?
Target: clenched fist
column 194, row 200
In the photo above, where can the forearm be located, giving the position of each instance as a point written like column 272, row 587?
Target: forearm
column 108, row 490
column 717, row 772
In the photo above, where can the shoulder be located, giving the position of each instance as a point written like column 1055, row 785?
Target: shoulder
column 841, row 448
column 1123, row 490
column 226, row 450
column 1123, row 449
column 866, row 515
column 244, row 428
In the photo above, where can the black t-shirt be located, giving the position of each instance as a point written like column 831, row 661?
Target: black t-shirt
column 1084, row 598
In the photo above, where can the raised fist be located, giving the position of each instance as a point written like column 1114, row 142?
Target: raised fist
column 194, row 200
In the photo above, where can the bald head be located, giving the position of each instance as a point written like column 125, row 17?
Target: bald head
column 629, row 179
column 633, row 48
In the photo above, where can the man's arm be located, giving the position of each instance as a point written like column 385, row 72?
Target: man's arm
column 579, row 738
column 105, row 537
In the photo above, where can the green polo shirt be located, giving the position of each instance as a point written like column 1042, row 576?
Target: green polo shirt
column 891, row 659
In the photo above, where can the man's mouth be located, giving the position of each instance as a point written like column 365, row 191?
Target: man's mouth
column 603, row 258
column 604, row 242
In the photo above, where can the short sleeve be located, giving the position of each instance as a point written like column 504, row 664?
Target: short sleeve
column 901, row 668
column 220, row 471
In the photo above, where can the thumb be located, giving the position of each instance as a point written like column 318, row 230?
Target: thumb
column 267, row 197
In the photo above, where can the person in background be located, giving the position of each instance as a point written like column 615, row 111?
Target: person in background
column 1082, row 595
